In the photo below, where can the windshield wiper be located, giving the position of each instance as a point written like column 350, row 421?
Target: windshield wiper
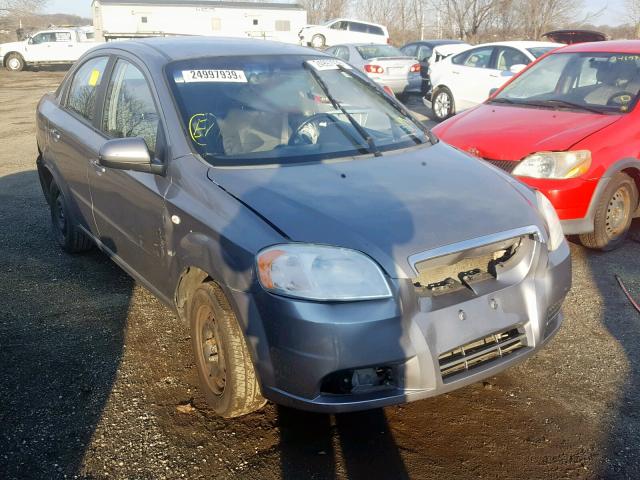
column 373, row 148
column 565, row 103
column 398, row 106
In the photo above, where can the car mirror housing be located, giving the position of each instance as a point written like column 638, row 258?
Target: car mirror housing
column 517, row 68
column 128, row 154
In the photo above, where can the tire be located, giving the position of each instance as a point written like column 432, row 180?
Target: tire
column 63, row 226
column 614, row 213
column 443, row 105
column 225, row 369
column 318, row 41
column 14, row 62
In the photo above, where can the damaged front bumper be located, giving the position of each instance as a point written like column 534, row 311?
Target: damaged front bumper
column 427, row 340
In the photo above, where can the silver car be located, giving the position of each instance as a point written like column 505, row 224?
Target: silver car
column 326, row 250
column 384, row 64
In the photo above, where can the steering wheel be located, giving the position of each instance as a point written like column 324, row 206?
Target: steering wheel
column 308, row 131
column 620, row 99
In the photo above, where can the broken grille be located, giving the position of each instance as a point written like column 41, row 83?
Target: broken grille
column 480, row 352
column 506, row 165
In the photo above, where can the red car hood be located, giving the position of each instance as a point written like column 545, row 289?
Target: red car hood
column 500, row 132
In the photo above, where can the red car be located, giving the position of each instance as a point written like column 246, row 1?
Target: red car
column 569, row 126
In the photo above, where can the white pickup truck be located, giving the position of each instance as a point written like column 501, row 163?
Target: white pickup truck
column 59, row 45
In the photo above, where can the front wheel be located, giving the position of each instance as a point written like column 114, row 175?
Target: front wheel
column 443, row 105
column 225, row 369
column 14, row 62
column 614, row 213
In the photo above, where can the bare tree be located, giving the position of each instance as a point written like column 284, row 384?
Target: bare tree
column 321, row 10
column 21, row 7
column 633, row 11
column 540, row 16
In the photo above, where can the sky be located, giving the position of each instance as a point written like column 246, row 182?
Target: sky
column 612, row 10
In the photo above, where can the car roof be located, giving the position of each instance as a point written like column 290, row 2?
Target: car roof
column 182, row 48
column 344, row 19
column 363, row 44
column 522, row 44
column 434, row 43
column 613, row 46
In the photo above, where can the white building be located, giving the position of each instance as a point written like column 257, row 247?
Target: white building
column 117, row 19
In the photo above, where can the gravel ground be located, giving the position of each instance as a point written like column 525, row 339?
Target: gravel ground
column 97, row 380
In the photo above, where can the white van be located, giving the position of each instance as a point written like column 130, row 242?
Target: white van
column 343, row 30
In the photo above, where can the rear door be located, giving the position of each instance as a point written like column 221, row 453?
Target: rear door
column 65, row 47
column 128, row 206
column 73, row 141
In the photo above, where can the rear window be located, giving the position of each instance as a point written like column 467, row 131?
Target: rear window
column 537, row 52
column 379, row 51
column 375, row 30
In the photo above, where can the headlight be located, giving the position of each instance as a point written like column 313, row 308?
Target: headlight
column 554, row 228
column 554, row 164
column 317, row 272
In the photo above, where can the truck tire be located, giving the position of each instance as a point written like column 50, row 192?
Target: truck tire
column 63, row 226
column 318, row 41
column 443, row 105
column 14, row 62
column 225, row 370
column 614, row 213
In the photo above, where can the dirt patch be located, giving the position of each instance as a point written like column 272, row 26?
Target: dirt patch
column 93, row 371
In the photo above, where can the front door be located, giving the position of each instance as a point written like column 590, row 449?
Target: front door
column 474, row 78
column 128, row 206
column 45, row 47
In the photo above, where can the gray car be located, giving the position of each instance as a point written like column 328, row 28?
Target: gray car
column 326, row 250
column 384, row 64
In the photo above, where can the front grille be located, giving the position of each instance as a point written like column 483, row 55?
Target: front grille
column 506, row 165
column 480, row 352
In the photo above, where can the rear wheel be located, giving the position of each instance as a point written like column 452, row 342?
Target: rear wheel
column 614, row 213
column 318, row 41
column 63, row 226
column 225, row 369
column 442, row 105
column 14, row 62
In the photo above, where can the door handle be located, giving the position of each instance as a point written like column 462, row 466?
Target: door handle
column 55, row 134
column 455, row 72
column 96, row 165
column 493, row 75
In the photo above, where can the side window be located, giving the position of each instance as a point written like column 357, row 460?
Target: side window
column 63, row 36
column 44, row 37
column 339, row 25
column 460, row 58
column 424, row 53
column 283, row 25
column 129, row 109
column 479, row 58
column 342, row 53
column 375, row 30
column 358, row 27
column 84, row 85
column 409, row 50
column 508, row 57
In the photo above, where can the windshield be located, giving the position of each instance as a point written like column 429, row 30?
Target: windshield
column 379, row 51
column 537, row 52
column 285, row 109
column 598, row 82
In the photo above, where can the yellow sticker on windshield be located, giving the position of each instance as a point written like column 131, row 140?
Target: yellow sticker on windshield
column 93, row 79
column 199, row 126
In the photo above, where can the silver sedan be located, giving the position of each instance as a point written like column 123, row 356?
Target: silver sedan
column 384, row 64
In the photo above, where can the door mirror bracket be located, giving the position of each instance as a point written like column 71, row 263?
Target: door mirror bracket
column 129, row 154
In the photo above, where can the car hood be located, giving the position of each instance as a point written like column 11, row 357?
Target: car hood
column 10, row 45
column 511, row 133
column 389, row 207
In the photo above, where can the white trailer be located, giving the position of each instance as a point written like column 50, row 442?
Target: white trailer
column 119, row 19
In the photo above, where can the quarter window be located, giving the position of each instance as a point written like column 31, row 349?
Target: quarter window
column 129, row 109
column 85, row 83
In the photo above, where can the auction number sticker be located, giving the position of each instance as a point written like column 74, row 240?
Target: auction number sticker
column 328, row 64
column 214, row 76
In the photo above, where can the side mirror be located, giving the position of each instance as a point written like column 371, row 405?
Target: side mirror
column 492, row 92
column 517, row 68
column 128, row 154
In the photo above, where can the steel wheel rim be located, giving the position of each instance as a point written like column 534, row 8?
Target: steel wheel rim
column 317, row 42
column 618, row 212
column 13, row 63
column 211, row 351
column 442, row 105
